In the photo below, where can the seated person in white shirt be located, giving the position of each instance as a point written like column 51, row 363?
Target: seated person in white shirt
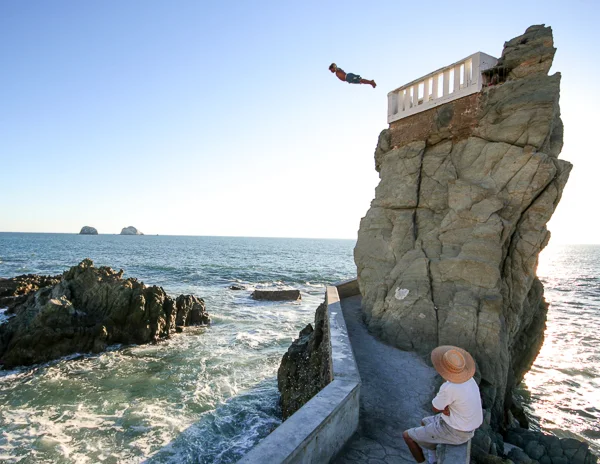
column 457, row 405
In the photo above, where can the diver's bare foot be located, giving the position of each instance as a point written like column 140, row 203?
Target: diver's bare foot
column 373, row 84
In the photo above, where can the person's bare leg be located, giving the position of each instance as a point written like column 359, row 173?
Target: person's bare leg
column 366, row 81
column 414, row 448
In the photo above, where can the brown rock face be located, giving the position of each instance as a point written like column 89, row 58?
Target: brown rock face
column 88, row 309
column 14, row 291
column 448, row 251
column 306, row 367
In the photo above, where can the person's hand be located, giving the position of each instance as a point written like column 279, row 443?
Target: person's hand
column 446, row 411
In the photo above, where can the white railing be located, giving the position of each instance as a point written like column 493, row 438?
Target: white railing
column 446, row 84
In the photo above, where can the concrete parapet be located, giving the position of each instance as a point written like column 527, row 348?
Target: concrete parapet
column 347, row 288
column 454, row 454
column 320, row 428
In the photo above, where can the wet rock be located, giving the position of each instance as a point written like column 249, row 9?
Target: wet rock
column 88, row 309
column 518, row 456
column 548, row 449
column 580, row 455
column 306, row 367
column 478, row 456
column 534, row 450
column 237, row 287
column 276, row 295
column 16, row 289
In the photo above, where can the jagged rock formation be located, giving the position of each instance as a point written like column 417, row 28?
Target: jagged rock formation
column 130, row 231
column 447, row 253
column 87, row 230
column 15, row 290
column 306, row 367
column 88, row 309
column 536, row 447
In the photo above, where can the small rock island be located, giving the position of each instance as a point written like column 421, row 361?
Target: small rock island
column 87, row 230
column 130, row 231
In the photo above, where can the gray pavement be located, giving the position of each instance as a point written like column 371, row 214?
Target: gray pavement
column 396, row 392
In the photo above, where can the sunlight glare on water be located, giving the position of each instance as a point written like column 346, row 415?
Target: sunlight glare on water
column 563, row 386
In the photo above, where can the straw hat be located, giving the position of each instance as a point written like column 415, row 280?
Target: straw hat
column 453, row 363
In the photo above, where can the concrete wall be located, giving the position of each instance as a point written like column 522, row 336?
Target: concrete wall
column 319, row 429
column 452, row 454
column 347, row 288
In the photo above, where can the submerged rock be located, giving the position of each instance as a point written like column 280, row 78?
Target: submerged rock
column 130, row 231
column 276, row 295
column 448, row 251
column 87, row 230
column 86, row 310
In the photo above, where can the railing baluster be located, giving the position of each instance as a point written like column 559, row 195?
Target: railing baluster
column 456, row 78
column 446, row 82
column 434, row 87
column 392, row 104
column 467, row 77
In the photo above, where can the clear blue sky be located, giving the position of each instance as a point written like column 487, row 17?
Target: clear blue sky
column 221, row 118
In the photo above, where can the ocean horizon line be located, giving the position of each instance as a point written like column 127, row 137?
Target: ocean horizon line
column 184, row 235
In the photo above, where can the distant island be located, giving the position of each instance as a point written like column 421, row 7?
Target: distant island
column 130, row 231
column 87, row 230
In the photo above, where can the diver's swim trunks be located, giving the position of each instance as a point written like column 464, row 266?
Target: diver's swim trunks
column 353, row 78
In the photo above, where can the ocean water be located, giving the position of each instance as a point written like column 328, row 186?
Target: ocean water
column 562, row 389
column 209, row 394
column 204, row 396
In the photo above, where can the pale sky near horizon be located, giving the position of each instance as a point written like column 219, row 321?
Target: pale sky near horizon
column 221, row 118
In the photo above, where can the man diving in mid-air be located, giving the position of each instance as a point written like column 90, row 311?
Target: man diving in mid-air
column 349, row 77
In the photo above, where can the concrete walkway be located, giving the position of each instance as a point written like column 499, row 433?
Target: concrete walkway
column 396, row 392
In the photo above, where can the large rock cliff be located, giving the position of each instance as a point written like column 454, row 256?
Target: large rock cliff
column 447, row 253
column 306, row 367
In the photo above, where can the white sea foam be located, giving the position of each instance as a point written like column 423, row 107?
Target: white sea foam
column 3, row 316
column 204, row 395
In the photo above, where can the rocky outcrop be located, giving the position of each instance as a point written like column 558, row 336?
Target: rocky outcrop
column 447, row 253
column 276, row 295
column 533, row 447
column 16, row 290
column 89, row 309
column 87, row 230
column 130, row 231
column 306, row 367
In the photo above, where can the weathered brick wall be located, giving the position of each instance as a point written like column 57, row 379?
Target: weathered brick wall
column 455, row 120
